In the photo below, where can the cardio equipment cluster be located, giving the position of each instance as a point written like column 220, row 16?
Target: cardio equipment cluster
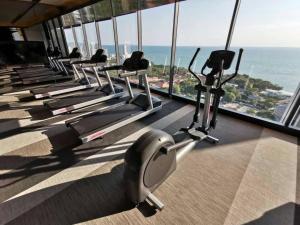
column 154, row 156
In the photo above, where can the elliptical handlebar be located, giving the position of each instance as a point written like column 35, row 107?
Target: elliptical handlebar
column 236, row 67
column 192, row 62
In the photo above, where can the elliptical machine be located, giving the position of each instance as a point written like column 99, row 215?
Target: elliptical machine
column 153, row 157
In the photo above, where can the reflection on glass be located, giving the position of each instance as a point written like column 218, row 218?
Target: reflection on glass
column 59, row 35
column 52, row 31
column 80, row 40
column 76, row 17
column 69, row 39
column 209, row 33
column 145, row 4
column 67, row 20
column 269, row 73
column 157, row 41
column 102, row 10
column 91, row 37
column 87, row 14
column 122, row 7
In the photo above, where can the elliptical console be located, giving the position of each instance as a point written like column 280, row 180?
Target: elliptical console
column 153, row 157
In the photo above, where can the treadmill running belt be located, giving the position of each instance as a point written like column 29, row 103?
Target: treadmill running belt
column 54, row 88
column 73, row 100
column 104, row 118
column 30, row 75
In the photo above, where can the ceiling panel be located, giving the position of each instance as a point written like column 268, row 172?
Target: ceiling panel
column 25, row 13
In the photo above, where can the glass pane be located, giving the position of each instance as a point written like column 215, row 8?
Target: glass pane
column 146, row 4
column 107, row 39
column 209, row 33
column 157, row 41
column 91, row 37
column 269, row 73
column 59, row 35
column 53, row 37
column 76, row 17
column 87, row 14
column 127, row 34
column 102, row 10
column 124, row 7
column 296, row 120
column 67, row 20
column 80, row 40
column 69, row 39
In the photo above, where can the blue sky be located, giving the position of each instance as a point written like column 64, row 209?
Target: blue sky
column 206, row 23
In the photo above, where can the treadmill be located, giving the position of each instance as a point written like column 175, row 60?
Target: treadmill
column 78, row 82
column 102, row 121
column 98, row 94
column 59, row 73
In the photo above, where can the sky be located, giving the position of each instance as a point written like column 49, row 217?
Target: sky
column 205, row 23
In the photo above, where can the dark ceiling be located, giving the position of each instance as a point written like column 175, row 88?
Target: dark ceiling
column 25, row 13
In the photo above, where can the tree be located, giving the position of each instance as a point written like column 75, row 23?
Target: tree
column 229, row 97
column 176, row 88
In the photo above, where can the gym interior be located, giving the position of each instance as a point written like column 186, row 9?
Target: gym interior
column 150, row 112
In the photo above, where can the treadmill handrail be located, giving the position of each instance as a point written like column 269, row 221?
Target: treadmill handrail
column 68, row 59
column 133, row 73
column 100, row 64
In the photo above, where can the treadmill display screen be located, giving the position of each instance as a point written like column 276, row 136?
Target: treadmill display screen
column 22, row 52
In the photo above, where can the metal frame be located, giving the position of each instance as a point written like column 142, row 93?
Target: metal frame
column 75, row 37
column 98, row 34
column 63, row 36
column 232, row 23
column 56, row 35
column 173, row 48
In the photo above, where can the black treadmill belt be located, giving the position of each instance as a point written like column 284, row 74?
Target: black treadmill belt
column 73, row 100
column 102, row 119
column 32, row 75
column 54, row 88
column 52, row 78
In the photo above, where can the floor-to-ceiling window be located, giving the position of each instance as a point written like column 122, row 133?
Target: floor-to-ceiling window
column 127, row 37
column 269, row 72
column 69, row 39
column 80, row 40
column 203, row 24
column 91, row 37
column 59, row 35
column 52, row 34
column 87, row 18
column 157, row 24
column 107, row 39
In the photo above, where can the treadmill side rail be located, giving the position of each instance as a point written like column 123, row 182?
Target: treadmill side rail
column 86, row 103
column 65, row 90
column 82, row 116
column 117, row 124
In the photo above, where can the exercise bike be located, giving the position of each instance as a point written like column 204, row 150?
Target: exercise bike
column 153, row 157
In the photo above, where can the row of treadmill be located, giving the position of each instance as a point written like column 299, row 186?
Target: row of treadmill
column 83, row 83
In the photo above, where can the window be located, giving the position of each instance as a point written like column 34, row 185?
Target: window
column 127, row 34
column 107, row 39
column 269, row 73
column 70, row 39
column 52, row 33
column 157, row 40
column 91, row 37
column 199, row 27
column 80, row 40
column 59, row 35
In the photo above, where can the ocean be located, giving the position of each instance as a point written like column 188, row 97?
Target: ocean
column 281, row 66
